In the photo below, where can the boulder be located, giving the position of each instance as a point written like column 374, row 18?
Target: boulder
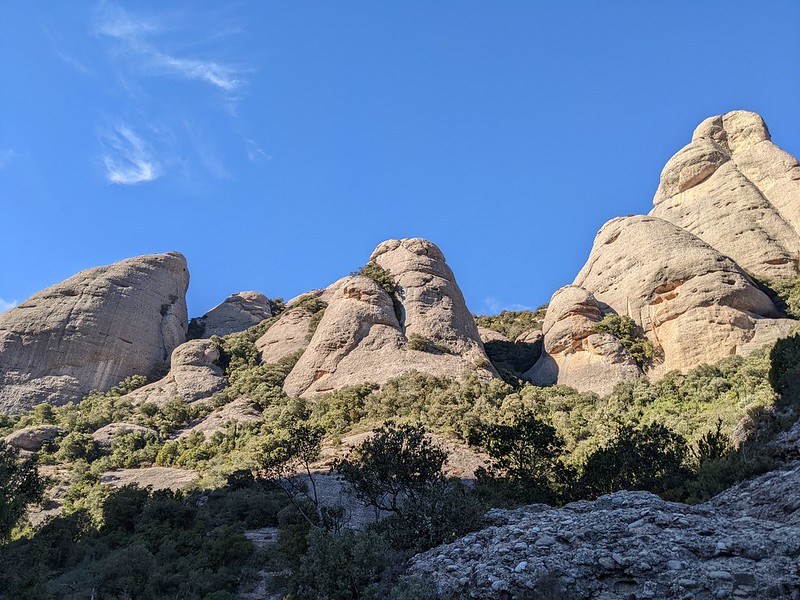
column 737, row 191
column 108, row 433
column 694, row 304
column 622, row 545
column 574, row 354
column 31, row 439
column 237, row 313
column 366, row 335
column 92, row 331
column 194, row 375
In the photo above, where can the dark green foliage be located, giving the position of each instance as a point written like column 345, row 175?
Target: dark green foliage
column 713, row 445
column 395, row 465
column 446, row 511
column 384, row 279
column 513, row 323
column 20, row 486
column 148, row 545
column 785, row 293
column 784, row 373
column 341, row 566
column 639, row 457
column 527, row 455
column 379, row 275
column 422, row 344
column 629, row 336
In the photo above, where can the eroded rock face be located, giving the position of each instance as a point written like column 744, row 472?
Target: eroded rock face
column 694, row 304
column 623, row 545
column 360, row 338
column 194, row 375
column 574, row 354
column 237, row 313
column 432, row 303
column 736, row 190
column 92, row 330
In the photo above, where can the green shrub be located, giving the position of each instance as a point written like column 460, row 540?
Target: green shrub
column 513, row 323
column 639, row 457
column 629, row 336
column 527, row 458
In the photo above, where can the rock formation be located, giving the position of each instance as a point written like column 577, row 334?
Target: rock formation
column 194, row 375
column 31, row 439
column 737, row 191
column 693, row 304
column 512, row 358
column 623, row 545
column 92, row 330
column 366, row 335
column 574, row 354
column 237, row 313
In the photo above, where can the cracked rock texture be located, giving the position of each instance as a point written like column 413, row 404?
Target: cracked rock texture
column 92, row 331
column 627, row 545
column 237, row 313
column 364, row 334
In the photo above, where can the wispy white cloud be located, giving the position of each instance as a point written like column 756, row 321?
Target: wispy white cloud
column 127, row 157
column 254, row 153
column 135, row 33
column 6, row 304
column 494, row 306
column 6, row 156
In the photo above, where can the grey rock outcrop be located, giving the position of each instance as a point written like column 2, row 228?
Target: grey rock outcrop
column 31, row 439
column 630, row 545
column 237, row 313
column 194, row 375
column 773, row 496
column 361, row 339
column 92, row 330
column 737, row 191
column 574, row 354
column 694, row 304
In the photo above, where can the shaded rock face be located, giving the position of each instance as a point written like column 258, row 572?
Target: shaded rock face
column 772, row 496
column 194, row 375
column 360, row 338
column 694, row 304
column 516, row 357
column 736, row 190
column 237, row 313
column 92, row 330
column 574, row 354
column 624, row 545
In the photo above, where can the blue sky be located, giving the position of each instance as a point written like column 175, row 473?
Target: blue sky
column 276, row 143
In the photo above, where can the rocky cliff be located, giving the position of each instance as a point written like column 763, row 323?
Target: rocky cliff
column 92, row 330
column 368, row 334
column 726, row 209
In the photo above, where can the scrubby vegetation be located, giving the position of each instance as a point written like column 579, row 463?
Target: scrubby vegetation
column 686, row 437
column 630, row 337
column 513, row 323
